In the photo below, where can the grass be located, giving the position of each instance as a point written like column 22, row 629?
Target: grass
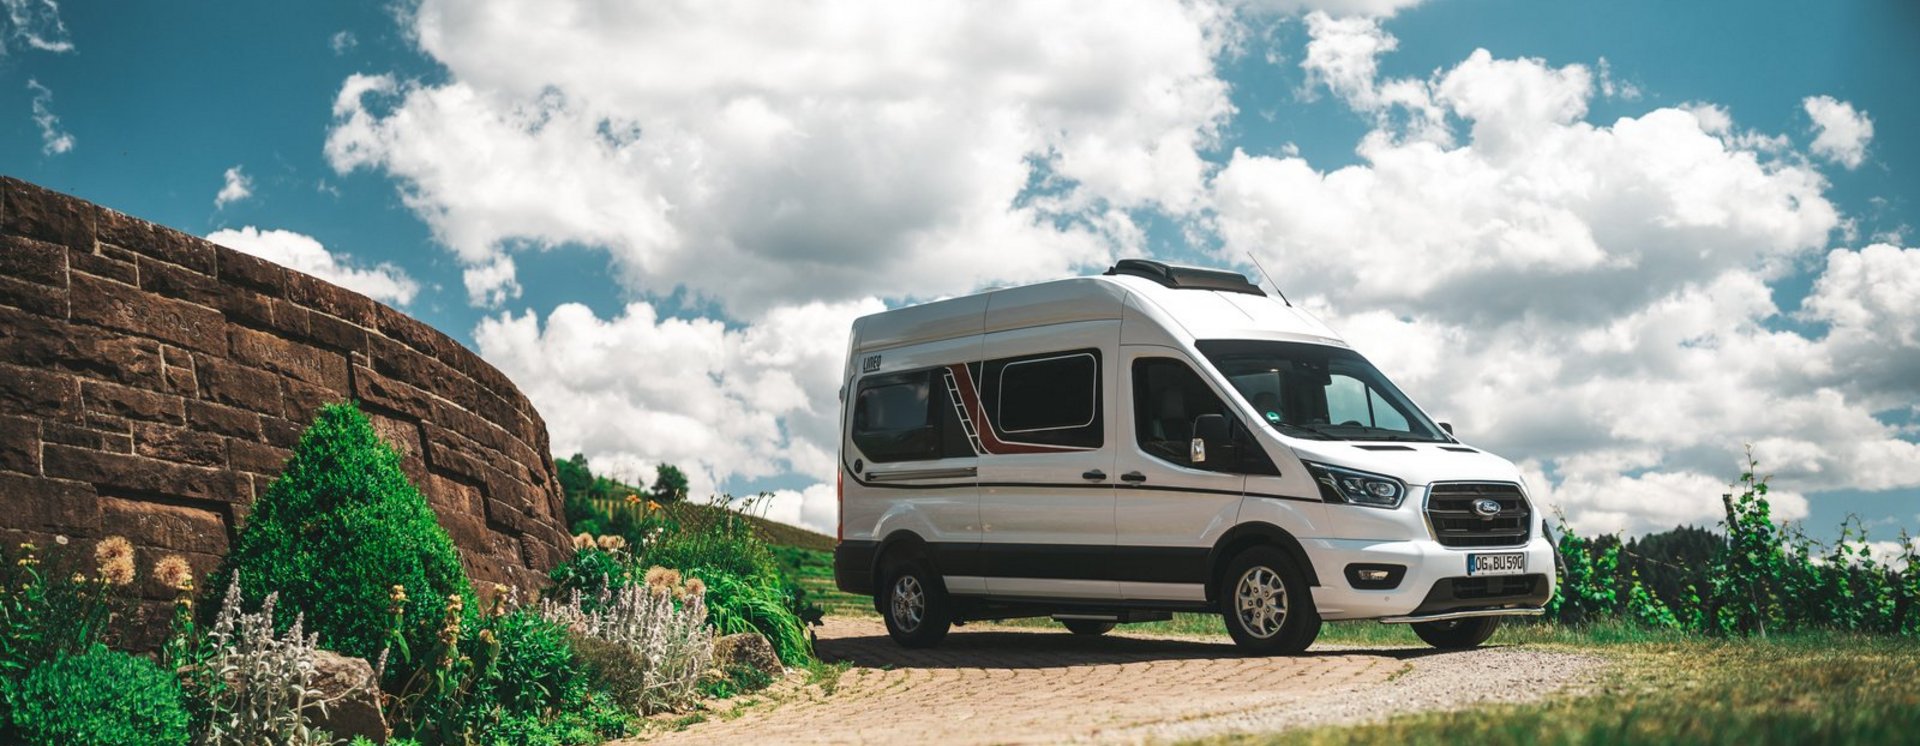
column 813, row 570
column 1665, row 688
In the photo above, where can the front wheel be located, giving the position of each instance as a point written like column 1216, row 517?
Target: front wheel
column 1457, row 634
column 1267, row 604
column 915, row 605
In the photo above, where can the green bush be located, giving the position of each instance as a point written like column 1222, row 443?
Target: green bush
column 337, row 530
column 1757, row 577
column 538, row 672
column 98, row 698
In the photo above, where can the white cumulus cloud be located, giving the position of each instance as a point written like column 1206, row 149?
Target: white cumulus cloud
column 53, row 139
column 33, row 24
column 383, row 282
column 1840, row 133
column 632, row 391
column 238, row 186
column 762, row 154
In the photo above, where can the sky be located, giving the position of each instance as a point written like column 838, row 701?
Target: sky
column 1620, row 243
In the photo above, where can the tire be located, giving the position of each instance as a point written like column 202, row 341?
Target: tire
column 1457, row 634
column 1087, row 627
column 1267, row 604
column 915, row 604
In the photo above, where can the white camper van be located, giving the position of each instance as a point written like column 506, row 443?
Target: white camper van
column 1112, row 449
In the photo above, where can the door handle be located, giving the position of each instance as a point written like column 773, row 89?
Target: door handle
column 1094, row 475
column 1133, row 476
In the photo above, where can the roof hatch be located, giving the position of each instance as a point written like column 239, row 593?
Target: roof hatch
column 1186, row 278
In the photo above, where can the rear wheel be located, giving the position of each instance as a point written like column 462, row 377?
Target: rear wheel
column 1267, row 604
column 1087, row 627
column 1457, row 634
column 915, row 604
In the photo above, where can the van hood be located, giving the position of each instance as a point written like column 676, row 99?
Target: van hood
column 1413, row 463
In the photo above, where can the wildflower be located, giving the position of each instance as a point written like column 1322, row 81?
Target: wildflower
column 653, row 507
column 79, row 579
column 114, row 549
column 613, row 543
column 397, row 598
column 661, row 577
column 115, row 555
column 696, row 588
column 173, row 572
column 633, row 498
column 26, row 555
column 583, row 541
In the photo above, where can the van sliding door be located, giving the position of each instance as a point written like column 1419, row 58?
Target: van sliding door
column 1045, row 397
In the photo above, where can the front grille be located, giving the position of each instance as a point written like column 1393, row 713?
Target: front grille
column 1450, row 511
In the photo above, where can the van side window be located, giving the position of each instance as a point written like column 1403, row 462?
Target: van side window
column 1050, row 399
column 1167, row 397
column 907, row 417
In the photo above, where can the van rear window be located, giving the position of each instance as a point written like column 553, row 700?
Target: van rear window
column 906, row 417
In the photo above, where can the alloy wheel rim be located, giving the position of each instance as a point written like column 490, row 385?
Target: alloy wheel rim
column 1260, row 601
column 909, row 603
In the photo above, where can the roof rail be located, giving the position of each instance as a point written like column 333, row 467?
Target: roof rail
column 1186, row 278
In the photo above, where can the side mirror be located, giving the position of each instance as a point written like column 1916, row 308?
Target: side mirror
column 1209, row 434
column 1447, row 426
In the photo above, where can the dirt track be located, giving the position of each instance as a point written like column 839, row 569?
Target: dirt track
column 1002, row 685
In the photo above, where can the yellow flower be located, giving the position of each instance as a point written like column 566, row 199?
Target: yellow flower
column 79, row 579
column 173, row 572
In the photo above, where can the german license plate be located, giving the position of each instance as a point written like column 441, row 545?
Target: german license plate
column 1506, row 563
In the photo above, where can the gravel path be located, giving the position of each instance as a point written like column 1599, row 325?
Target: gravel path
column 1006, row 685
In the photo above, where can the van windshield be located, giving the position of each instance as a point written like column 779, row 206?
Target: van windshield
column 1319, row 392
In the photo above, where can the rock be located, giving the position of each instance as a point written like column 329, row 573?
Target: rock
column 353, row 697
column 749, row 650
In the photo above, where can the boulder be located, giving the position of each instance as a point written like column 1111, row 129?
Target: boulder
column 748, row 650
column 352, row 695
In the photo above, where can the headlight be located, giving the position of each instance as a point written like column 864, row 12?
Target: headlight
column 1339, row 485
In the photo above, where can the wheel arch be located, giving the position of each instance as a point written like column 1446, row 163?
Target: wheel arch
column 1247, row 536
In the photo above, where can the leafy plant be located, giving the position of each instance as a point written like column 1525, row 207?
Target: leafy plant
column 99, row 697
column 661, row 627
column 338, row 529
column 62, row 607
column 257, row 683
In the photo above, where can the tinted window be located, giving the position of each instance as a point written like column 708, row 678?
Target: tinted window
column 1319, row 392
column 1051, row 399
column 1167, row 397
column 907, row 417
column 1048, row 394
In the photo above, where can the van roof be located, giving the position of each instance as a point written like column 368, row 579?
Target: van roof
column 1194, row 302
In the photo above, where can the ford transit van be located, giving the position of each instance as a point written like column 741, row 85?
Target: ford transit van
column 1113, row 449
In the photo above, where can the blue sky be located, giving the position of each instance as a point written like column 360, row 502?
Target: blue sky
column 749, row 212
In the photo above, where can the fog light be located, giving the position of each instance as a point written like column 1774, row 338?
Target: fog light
column 1367, row 576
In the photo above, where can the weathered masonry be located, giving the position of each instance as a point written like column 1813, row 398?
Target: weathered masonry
column 152, row 384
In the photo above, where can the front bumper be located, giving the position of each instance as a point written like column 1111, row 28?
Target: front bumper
column 1436, row 584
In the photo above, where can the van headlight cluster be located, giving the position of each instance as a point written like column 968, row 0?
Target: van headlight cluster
column 1339, row 485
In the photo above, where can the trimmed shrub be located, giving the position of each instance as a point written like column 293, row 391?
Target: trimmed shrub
column 98, row 698
column 337, row 531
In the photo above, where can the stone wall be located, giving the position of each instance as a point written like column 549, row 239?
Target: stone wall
column 152, row 384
